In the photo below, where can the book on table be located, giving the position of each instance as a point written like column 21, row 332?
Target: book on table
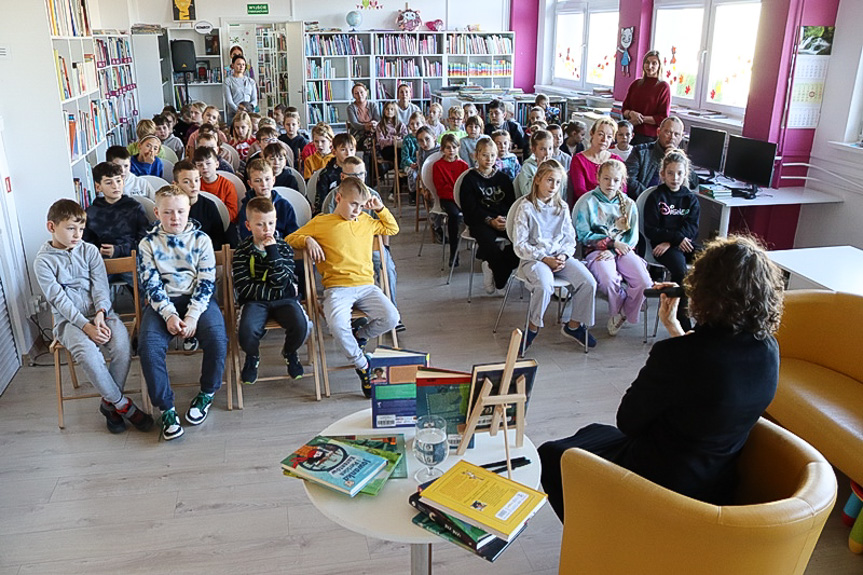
column 483, row 499
column 393, row 375
column 494, row 372
column 445, row 393
column 467, row 534
column 334, row 464
column 489, row 552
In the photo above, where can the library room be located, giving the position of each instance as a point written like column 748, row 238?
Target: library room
column 387, row 288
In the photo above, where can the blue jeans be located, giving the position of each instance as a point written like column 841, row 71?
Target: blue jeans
column 288, row 313
column 391, row 271
column 153, row 340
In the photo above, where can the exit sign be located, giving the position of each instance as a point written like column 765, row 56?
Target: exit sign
column 257, row 9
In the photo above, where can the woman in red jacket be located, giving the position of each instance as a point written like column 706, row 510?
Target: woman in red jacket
column 648, row 100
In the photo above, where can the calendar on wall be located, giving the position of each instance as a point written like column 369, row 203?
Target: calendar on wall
column 810, row 74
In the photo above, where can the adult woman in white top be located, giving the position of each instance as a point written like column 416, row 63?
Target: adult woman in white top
column 239, row 87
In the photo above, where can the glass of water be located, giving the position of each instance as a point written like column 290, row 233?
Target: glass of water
column 430, row 446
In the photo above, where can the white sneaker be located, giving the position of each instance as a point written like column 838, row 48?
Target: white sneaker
column 616, row 322
column 487, row 278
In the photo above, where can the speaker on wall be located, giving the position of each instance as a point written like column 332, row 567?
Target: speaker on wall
column 183, row 55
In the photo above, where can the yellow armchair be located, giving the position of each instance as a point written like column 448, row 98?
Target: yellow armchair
column 618, row 523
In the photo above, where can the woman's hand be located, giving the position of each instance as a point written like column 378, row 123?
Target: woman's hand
column 668, row 310
column 636, row 118
column 621, row 248
column 661, row 249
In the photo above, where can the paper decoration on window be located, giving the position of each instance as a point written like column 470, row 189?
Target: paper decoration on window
column 626, row 37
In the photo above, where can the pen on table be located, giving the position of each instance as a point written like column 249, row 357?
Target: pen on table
column 503, row 462
column 515, row 465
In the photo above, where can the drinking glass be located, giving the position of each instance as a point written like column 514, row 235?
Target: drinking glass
column 430, row 446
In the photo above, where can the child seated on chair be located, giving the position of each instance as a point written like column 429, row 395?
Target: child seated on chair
column 541, row 147
column 433, row 120
column 169, row 140
column 606, row 223
column 388, row 131
column 294, row 138
column 317, row 154
column 427, row 142
column 344, row 146
column 206, row 160
column 261, row 186
column 72, row 277
column 115, row 223
column 146, row 162
column 544, row 239
column 486, row 195
column 445, row 172
column 132, row 184
column 408, row 158
column 177, row 272
column 341, row 244
column 207, row 139
column 203, row 210
column 145, row 128
column 507, row 162
column 467, row 145
column 267, row 287
column 265, row 136
column 212, row 120
column 455, row 120
column 276, row 155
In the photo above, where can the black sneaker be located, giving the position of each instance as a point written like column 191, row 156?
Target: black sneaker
column 578, row 334
column 142, row 421
column 190, row 344
column 356, row 325
column 249, row 373
column 199, row 408
column 400, row 326
column 171, row 428
column 365, row 378
column 295, row 368
column 113, row 420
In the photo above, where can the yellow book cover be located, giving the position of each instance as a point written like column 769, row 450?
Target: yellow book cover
column 484, row 499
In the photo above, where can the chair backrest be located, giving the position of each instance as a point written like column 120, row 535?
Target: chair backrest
column 312, row 186
column 619, row 522
column 169, row 155
column 149, row 207
column 298, row 201
column 233, row 155
column 167, row 169
column 427, row 174
column 510, row 218
column 301, row 181
column 640, row 202
column 239, row 186
column 456, row 189
column 127, row 265
column 155, row 183
column 224, row 214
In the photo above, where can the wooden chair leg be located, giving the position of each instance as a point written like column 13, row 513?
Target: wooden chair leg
column 58, row 377
column 238, row 381
column 72, row 373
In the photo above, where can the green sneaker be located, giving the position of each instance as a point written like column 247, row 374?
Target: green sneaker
column 171, row 428
column 199, row 408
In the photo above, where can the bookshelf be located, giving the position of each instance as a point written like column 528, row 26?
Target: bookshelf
column 482, row 59
column 266, row 40
column 117, row 87
column 152, row 65
column 206, row 83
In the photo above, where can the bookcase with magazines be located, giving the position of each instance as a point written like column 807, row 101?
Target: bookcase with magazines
column 117, row 86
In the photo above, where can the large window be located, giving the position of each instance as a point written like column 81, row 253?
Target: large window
column 585, row 46
column 706, row 48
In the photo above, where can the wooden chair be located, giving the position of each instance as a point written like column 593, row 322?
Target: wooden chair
column 398, row 174
column 435, row 210
column 112, row 266
column 225, row 305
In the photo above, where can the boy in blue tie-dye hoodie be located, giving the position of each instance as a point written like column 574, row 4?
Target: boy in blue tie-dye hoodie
column 177, row 272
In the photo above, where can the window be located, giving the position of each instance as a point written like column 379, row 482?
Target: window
column 706, row 49
column 585, row 46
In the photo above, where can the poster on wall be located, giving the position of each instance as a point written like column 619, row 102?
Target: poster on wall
column 810, row 73
column 184, row 10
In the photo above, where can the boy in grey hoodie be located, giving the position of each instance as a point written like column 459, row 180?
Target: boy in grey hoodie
column 177, row 272
column 73, row 278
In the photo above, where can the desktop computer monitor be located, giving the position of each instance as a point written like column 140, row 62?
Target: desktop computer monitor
column 706, row 148
column 750, row 161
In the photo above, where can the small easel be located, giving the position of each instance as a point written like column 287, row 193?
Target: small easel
column 500, row 403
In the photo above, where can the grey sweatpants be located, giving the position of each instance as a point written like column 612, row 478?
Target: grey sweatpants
column 540, row 281
column 108, row 380
column 338, row 303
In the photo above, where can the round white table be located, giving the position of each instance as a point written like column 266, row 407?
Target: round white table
column 388, row 515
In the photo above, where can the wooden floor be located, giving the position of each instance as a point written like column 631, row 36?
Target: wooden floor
column 81, row 500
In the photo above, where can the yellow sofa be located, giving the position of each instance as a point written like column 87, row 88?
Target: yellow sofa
column 820, row 392
column 618, row 523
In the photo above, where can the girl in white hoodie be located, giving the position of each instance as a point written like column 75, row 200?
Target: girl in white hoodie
column 544, row 239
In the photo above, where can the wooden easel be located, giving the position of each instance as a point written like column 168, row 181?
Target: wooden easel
column 500, row 403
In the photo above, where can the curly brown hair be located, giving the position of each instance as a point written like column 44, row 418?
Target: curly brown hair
column 734, row 285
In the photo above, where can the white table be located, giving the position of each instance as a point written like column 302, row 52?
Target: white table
column 768, row 197
column 837, row 268
column 388, row 515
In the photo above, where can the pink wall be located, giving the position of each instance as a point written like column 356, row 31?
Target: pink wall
column 638, row 13
column 524, row 21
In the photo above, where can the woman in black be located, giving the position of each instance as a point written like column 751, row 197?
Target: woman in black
column 688, row 414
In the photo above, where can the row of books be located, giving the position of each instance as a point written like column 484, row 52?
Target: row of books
column 68, row 17
column 408, row 68
column 317, row 115
column 116, row 81
column 86, row 129
column 319, row 91
column 84, row 194
column 399, row 44
column 316, row 71
column 336, row 45
column 495, row 68
column 463, row 44
column 201, row 75
column 113, row 51
column 81, row 80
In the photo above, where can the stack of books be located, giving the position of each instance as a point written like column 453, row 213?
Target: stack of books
column 349, row 464
column 714, row 191
column 476, row 509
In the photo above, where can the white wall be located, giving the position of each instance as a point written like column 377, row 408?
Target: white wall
column 489, row 14
column 841, row 114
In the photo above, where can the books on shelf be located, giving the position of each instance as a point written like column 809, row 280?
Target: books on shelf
column 211, row 44
column 335, row 45
column 68, row 17
column 478, row 44
column 393, row 378
column 403, row 44
column 113, row 51
column 316, row 71
column 319, row 91
column 494, row 68
column 116, row 80
column 494, row 372
column 334, row 464
column 483, row 499
column 83, row 195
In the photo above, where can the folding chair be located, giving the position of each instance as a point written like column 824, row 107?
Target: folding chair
column 155, row 183
column 301, row 182
column 233, row 157
column 149, row 207
column 652, row 264
column 239, row 186
column 112, row 266
column 398, row 174
column 435, row 210
column 167, row 169
column 379, row 164
column 169, row 154
column 312, row 186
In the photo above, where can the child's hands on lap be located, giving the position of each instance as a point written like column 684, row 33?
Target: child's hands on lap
column 621, row 248
column 314, row 249
column 96, row 335
column 552, row 262
column 175, row 325
column 99, row 322
column 498, row 223
column 686, row 246
column 191, row 326
column 660, row 249
column 605, row 255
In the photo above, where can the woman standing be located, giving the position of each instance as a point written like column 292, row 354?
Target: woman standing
column 585, row 165
column 648, row 100
column 239, row 87
column 363, row 118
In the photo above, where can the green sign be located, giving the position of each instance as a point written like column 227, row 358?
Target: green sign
column 257, row 9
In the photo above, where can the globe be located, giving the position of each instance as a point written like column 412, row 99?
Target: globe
column 354, row 18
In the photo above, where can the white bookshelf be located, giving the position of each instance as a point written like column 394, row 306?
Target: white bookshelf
column 481, row 58
column 152, row 63
column 266, row 77
column 117, row 86
column 209, row 90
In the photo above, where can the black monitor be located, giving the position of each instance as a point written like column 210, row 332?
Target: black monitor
column 706, row 148
column 750, row 161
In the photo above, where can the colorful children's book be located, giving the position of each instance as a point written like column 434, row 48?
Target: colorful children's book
column 494, row 372
column 334, row 464
column 446, row 393
column 393, row 379
column 489, row 552
column 469, row 535
column 394, row 443
column 483, row 499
